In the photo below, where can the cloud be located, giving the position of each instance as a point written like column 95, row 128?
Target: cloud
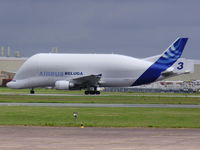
column 137, row 28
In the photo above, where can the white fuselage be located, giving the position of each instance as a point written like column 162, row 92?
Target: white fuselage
column 43, row 70
column 89, row 71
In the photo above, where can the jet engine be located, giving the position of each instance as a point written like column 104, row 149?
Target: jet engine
column 63, row 85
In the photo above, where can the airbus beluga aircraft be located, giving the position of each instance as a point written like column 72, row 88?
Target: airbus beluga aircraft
column 90, row 71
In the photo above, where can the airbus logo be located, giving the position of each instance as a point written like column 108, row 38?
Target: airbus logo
column 60, row 74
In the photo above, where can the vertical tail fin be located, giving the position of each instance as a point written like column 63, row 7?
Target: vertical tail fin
column 166, row 60
column 172, row 53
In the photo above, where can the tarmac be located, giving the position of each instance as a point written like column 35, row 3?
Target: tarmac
column 74, row 95
column 74, row 138
column 102, row 105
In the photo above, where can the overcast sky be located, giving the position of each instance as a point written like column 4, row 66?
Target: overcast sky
column 138, row 28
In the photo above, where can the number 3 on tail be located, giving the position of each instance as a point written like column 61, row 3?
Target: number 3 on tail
column 180, row 65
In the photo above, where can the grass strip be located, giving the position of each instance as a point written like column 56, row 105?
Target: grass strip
column 101, row 117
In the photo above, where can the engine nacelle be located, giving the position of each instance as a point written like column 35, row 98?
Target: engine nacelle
column 63, row 85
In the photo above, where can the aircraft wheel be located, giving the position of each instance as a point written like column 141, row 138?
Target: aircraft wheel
column 92, row 92
column 97, row 92
column 87, row 92
column 32, row 91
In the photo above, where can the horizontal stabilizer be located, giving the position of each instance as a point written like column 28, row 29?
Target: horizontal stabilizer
column 181, row 66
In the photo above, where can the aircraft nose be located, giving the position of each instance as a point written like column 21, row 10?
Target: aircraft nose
column 11, row 84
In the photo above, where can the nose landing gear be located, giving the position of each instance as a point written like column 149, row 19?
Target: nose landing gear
column 32, row 91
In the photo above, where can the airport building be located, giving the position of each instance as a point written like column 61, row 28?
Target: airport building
column 8, row 68
column 10, row 65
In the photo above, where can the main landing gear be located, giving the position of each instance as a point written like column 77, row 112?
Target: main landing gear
column 92, row 92
column 32, row 91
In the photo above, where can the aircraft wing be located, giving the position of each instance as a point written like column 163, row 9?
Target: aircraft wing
column 87, row 81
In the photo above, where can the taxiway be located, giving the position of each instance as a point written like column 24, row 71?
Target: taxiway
column 102, row 105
